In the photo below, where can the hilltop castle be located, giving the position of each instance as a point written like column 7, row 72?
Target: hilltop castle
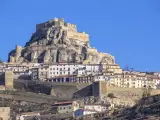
column 57, row 41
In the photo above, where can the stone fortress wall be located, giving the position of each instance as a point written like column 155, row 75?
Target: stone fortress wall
column 18, row 49
column 92, row 50
column 71, row 29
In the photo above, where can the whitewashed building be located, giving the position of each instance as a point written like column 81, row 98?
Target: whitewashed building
column 95, row 108
column 46, row 71
column 72, row 69
column 26, row 114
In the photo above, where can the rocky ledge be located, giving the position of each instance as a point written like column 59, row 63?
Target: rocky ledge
column 56, row 41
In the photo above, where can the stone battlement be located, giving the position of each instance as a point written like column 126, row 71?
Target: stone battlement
column 57, row 22
column 78, row 36
column 92, row 50
column 69, row 25
column 71, row 29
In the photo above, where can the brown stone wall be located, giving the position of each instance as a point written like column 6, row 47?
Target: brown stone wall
column 9, row 79
column 103, row 87
column 18, row 50
column 99, row 89
column 79, row 36
column 136, row 91
column 95, row 89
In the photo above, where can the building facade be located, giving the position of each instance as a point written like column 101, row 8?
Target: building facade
column 47, row 71
column 134, row 80
column 5, row 113
column 26, row 114
column 95, row 108
column 65, row 107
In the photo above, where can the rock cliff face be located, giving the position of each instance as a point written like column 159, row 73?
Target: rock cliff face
column 57, row 41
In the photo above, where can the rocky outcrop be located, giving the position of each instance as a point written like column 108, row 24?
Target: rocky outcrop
column 57, row 41
column 146, row 109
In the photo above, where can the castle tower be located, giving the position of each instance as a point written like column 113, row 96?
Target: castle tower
column 18, row 50
column 55, row 19
column 9, row 80
column 61, row 21
column 99, row 89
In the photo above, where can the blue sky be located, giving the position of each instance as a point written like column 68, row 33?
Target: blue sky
column 127, row 29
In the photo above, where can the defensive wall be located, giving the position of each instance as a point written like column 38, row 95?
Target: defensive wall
column 30, row 97
column 68, row 91
column 71, row 29
column 78, row 36
column 61, row 91
column 134, row 91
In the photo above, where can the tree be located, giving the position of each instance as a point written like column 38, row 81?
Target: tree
column 111, row 95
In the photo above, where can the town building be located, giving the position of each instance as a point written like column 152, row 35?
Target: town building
column 62, row 72
column 47, row 71
column 115, row 68
column 65, row 107
column 95, row 108
column 101, row 77
column 72, row 69
column 43, row 72
column 72, row 78
column 134, row 80
column 4, row 113
column 22, row 116
column 19, row 70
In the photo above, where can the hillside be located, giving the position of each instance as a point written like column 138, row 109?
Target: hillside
column 147, row 109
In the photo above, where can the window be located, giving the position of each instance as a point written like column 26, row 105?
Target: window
column 68, row 73
column 68, row 69
column 60, row 73
column 57, row 68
